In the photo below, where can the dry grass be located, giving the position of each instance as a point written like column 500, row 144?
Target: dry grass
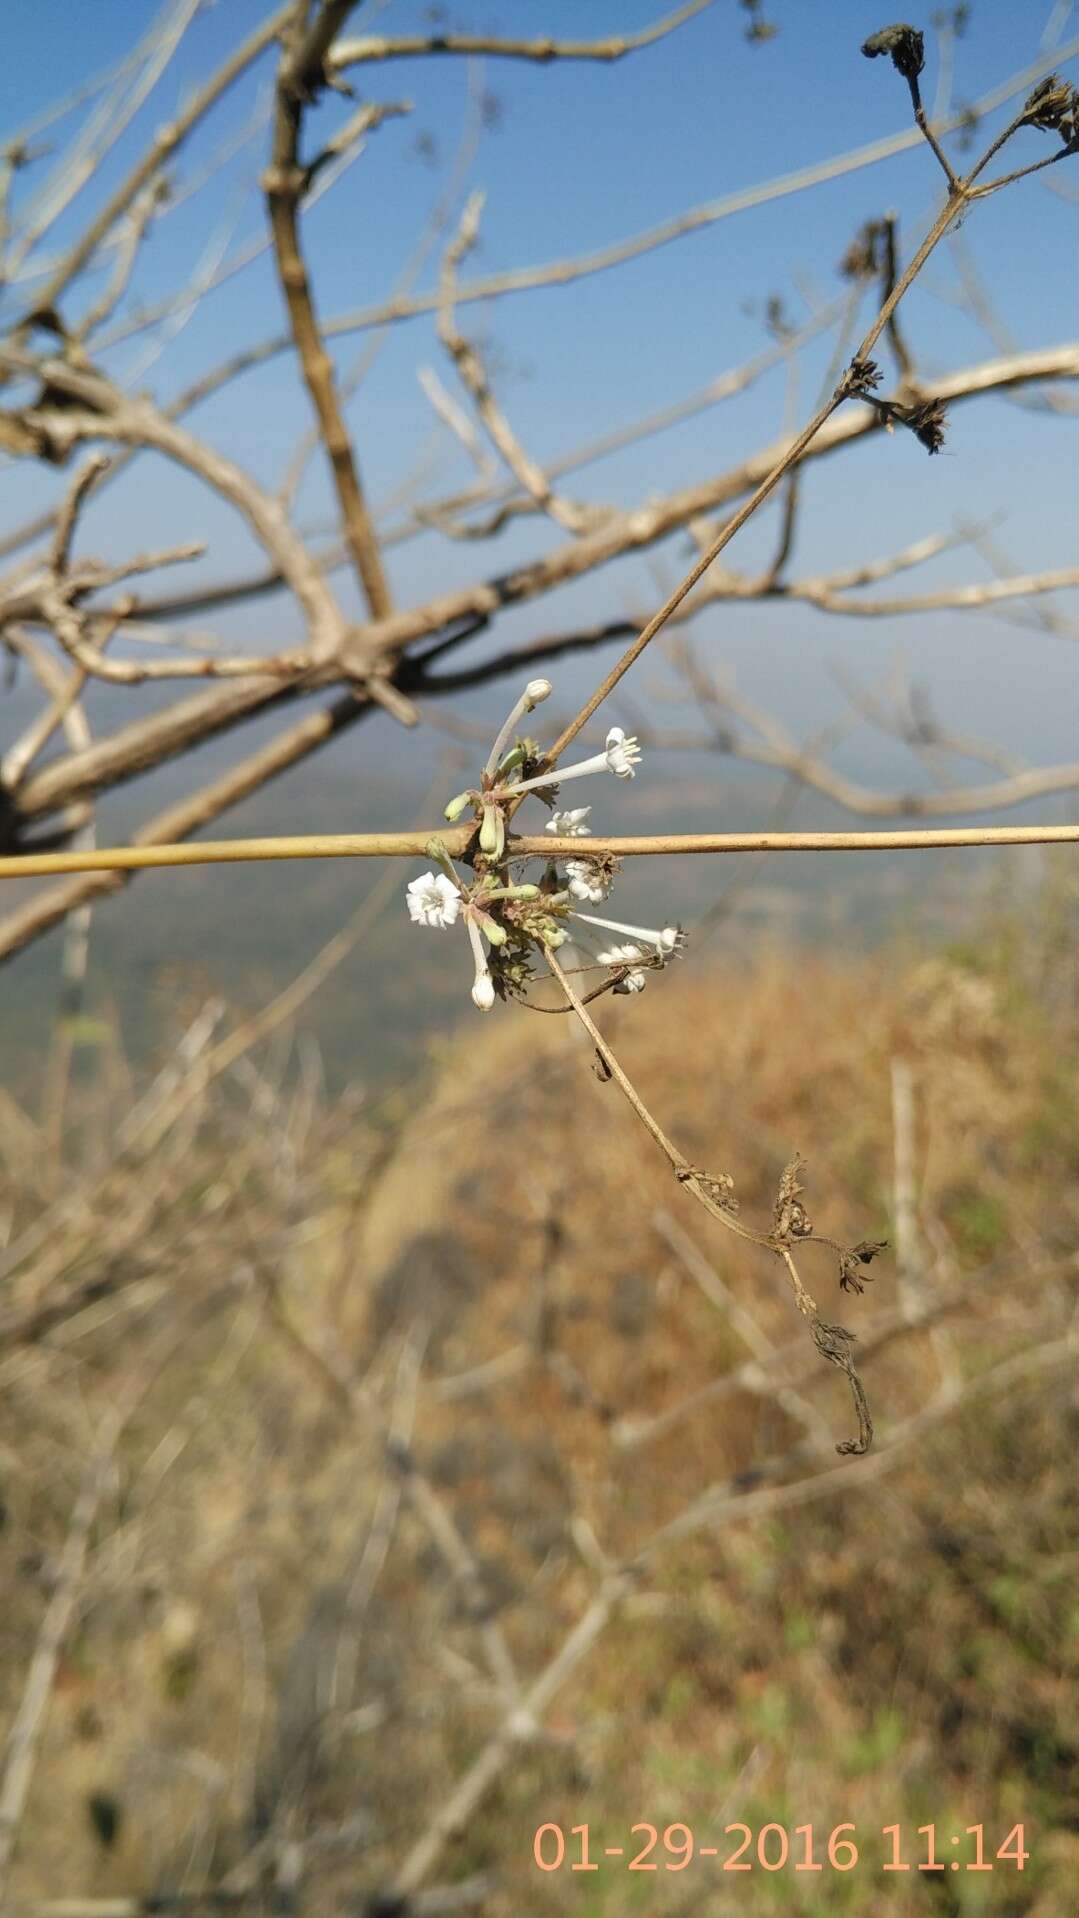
column 895, row 1651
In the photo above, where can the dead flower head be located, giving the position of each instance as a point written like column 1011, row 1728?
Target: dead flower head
column 852, row 1260
column 791, row 1220
column 862, row 376
column 927, row 421
column 1054, row 106
column 862, row 257
column 906, row 46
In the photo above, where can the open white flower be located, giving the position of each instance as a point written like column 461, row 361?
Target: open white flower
column 433, row 900
column 570, row 825
column 587, row 881
column 622, row 754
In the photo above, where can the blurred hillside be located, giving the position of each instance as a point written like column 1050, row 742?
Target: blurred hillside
column 395, row 1385
column 172, row 939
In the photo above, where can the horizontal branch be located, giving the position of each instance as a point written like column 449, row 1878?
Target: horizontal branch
column 138, row 747
column 413, row 845
column 378, row 47
column 646, row 525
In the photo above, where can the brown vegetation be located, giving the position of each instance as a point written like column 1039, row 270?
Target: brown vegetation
column 407, row 1390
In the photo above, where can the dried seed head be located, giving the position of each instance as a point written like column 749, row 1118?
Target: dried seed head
column 862, row 376
column 718, row 1186
column 1050, row 101
column 906, row 46
column 927, row 421
column 853, row 1258
column 791, row 1221
column 861, row 259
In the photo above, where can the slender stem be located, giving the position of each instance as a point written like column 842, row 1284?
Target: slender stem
column 920, row 117
column 958, row 196
column 651, row 1125
column 686, row 1174
column 790, row 459
column 992, row 150
column 1022, row 173
column 457, row 839
column 697, row 572
column 950, row 210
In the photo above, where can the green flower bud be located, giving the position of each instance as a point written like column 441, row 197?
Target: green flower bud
column 493, row 832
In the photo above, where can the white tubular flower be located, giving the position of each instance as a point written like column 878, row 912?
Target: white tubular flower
column 433, row 900
column 570, row 825
column 534, row 693
column 622, row 754
column 587, row 881
column 667, row 940
column 619, row 756
column 483, row 991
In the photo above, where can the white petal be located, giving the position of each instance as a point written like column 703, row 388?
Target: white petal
column 621, row 753
column 570, row 825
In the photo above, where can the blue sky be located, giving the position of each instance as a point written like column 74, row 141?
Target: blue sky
column 575, row 157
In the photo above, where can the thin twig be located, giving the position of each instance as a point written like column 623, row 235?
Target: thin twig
column 165, row 143
column 377, row 47
column 833, row 1342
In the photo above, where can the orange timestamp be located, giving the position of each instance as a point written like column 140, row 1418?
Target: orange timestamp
column 776, row 1847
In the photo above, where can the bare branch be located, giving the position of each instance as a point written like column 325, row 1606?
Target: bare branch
column 377, row 47
column 285, row 181
column 165, row 143
column 137, row 422
column 106, row 127
column 473, row 375
column 566, row 272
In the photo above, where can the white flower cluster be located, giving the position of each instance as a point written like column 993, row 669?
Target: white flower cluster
column 436, row 899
